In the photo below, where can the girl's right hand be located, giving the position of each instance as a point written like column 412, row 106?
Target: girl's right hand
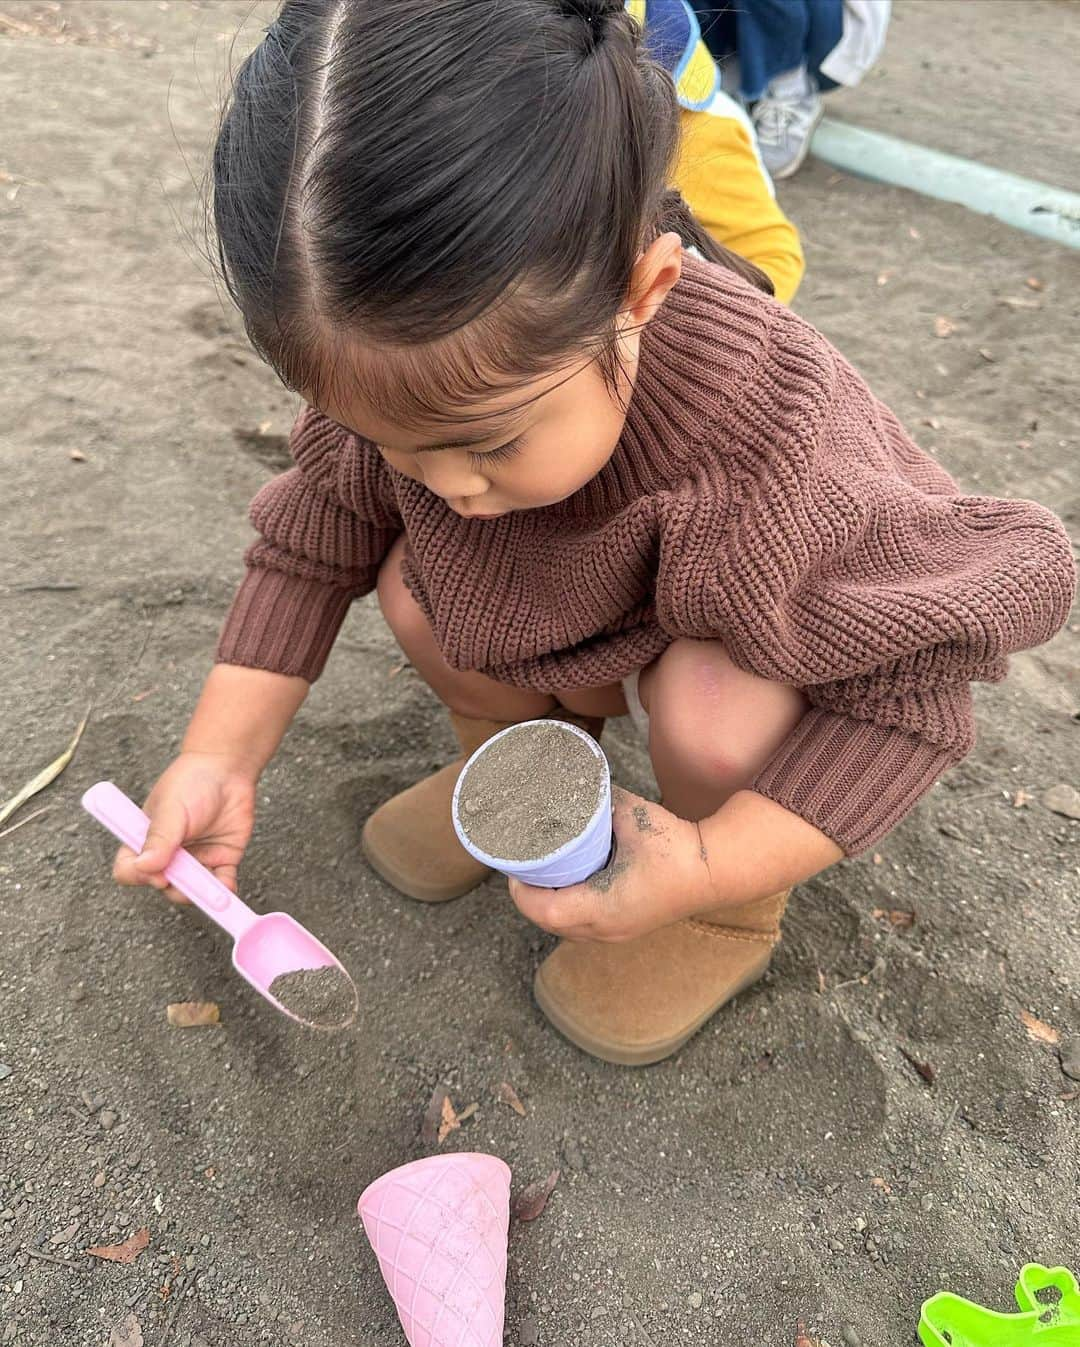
column 204, row 802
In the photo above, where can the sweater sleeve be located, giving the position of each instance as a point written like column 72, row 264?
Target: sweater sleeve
column 852, row 568
column 324, row 528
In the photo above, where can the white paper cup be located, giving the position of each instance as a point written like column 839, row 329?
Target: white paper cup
column 575, row 860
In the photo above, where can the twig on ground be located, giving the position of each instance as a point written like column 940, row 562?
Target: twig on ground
column 951, row 1118
column 60, row 1262
column 179, row 1287
column 23, row 821
column 59, row 587
column 863, row 978
column 641, row 1329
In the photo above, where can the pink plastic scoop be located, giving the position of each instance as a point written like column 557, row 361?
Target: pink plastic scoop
column 264, row 947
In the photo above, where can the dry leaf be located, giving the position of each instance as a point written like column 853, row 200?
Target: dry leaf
column 64, row 1236
column 449, row 1121
column 895, row 917
column 46, row 776
column 530, row 1203
column 1022, row 799
column 122, row 1253
column 509, row 1095
column 189, row 1014
column 128, row 1333
column 1033, row 283
column 1038, row 1031
column 1069, row 1096
column 467, row 1112
column 1063, row 800
column 928, row 1072
column 429, row 1129
column 943, row 327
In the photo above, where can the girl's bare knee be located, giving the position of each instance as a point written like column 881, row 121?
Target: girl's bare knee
column 718, row 722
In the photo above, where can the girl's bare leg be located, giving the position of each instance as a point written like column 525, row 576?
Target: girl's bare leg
column 712, row 726
column 473, row 694
column 469, row 694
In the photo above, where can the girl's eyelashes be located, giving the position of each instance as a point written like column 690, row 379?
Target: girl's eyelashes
column 500, row 455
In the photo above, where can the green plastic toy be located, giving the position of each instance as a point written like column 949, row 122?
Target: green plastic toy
column 1049, row 1301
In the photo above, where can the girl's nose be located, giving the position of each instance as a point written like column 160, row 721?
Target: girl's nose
column 451, row 476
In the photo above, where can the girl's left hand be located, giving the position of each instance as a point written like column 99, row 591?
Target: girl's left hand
column 656, row 877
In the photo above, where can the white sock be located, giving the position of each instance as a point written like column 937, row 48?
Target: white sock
column 791, row 85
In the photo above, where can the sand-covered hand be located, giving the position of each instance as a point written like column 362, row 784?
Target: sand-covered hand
column 654, row 877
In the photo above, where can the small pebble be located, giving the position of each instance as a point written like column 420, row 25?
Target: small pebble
column 108, row 1119
column 695, row 1300
column 99, row 1179
column 5, row 1070
column 1070, row 1058
column 850, row 1337
column 573, row 1156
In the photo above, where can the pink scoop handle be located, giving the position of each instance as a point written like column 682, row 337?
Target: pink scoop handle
column 127, row 822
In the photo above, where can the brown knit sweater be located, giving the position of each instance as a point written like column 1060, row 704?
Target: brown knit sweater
column 760, row 496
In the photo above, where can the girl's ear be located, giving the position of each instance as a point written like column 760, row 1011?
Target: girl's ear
column 655, row 272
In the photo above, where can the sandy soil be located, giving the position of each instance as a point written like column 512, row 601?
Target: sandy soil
column 792, row 1163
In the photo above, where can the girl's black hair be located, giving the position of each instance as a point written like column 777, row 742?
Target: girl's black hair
column 396, row 171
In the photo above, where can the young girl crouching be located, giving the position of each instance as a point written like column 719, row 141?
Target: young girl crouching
column 588, row 473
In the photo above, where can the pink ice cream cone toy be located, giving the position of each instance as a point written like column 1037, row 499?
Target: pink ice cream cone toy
column 439, row 1230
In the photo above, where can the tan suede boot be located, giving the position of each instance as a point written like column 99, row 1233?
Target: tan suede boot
column 410, row 840
column 638, row 1002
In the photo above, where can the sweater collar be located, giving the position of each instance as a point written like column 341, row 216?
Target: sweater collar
column 700, row 350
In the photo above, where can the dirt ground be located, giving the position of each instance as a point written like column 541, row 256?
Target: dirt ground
column 792, row 1163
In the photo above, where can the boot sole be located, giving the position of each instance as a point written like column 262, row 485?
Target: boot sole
column 409, row 886
column 645, row 1054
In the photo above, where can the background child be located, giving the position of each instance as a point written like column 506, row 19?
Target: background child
column 574, row 459
column 719, row 169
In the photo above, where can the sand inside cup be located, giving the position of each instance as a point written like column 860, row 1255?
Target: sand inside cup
column 322, row 996
column 530, row 792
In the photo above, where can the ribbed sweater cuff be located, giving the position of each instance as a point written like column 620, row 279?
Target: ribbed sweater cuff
column 852, row 779
column 283, row 623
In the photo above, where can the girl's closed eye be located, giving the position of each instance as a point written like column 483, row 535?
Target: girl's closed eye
column 500, row 455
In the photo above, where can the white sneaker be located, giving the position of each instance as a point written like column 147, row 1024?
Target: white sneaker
column 785, row 120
